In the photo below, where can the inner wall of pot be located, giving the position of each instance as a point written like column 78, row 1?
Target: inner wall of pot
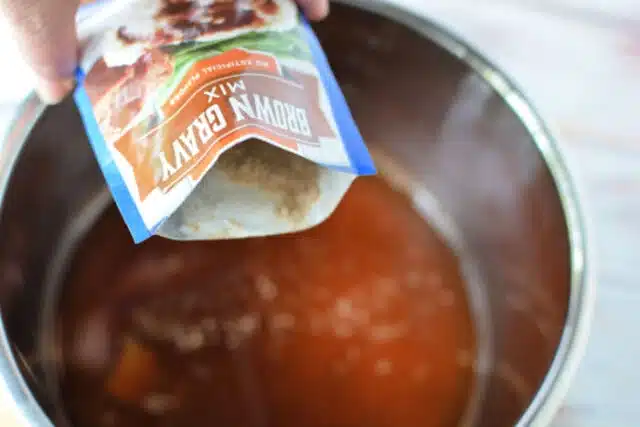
column 450, row 134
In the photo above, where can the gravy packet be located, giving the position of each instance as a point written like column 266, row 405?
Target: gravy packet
column 215, row 119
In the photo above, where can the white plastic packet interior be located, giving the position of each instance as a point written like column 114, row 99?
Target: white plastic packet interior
column 256, row 189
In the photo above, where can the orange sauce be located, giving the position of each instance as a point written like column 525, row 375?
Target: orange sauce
column 361, row 321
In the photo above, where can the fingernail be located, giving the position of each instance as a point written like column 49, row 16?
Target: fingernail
column 54, row 91
column 315, row 10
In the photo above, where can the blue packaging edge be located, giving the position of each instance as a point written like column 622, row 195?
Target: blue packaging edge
column 361, row 162
column 113, row 178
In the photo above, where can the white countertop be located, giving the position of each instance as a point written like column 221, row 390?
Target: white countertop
column 579, row 62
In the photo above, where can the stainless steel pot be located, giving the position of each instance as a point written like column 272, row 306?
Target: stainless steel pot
column 457, row 128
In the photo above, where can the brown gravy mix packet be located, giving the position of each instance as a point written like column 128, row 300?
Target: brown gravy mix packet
column 215, row 119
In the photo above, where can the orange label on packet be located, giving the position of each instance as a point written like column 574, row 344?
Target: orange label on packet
column 215, row 119
column 221, row 101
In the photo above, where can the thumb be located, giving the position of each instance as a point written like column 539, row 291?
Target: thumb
column 45, row 32
column 315, row 9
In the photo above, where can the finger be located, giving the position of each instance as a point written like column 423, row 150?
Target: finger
column 315, row 9
column 46, row 35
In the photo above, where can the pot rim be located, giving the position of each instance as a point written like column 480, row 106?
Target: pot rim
column 25, row 407
column 556, row 383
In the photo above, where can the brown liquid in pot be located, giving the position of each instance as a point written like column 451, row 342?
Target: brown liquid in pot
column 362, row 321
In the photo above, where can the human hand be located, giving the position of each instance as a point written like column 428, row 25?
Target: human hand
column 45, row 31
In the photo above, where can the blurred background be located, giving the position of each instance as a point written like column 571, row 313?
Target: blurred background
column 579, row 63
